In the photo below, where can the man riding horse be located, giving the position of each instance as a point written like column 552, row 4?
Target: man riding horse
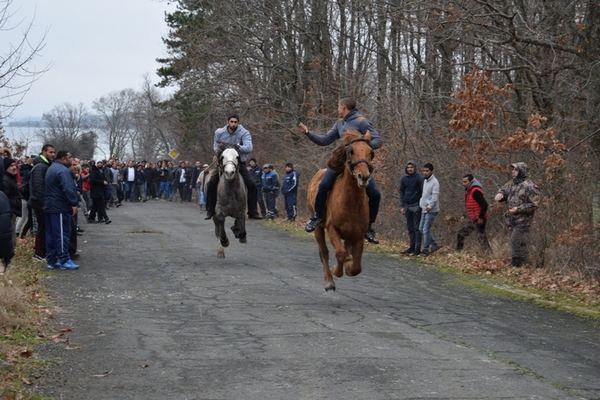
column 350, row 118
column 239, row 136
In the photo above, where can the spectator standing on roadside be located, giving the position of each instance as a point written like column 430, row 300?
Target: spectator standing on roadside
column 522, row 198
column 98, row 184
column 37, row 189
column 289, row 190
column 7, row 248
column 411, row 189
column 270, row 187
column 26, row 221
column 430, row 207
column 11, row 189
column 256, row 173
column 140, row 184
column 61, row 205
column 201, row 185
column 476, row 214
column 129, row 181
column 163, row 179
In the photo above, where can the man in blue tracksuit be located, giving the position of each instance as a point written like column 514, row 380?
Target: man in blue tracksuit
column 61, row 204
column 350, row 118
column 270, row 187
column 289, row 190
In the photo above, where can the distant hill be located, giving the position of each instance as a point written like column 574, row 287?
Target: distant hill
column 27, row 123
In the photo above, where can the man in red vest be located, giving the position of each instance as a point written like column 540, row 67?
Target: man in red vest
column 476, row 214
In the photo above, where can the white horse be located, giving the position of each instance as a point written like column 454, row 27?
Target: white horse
column 231, row 199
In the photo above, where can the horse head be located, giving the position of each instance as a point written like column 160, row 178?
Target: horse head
column 359, row 156
column 229, row 160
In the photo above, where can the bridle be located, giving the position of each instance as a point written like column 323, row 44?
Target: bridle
column 351, row 164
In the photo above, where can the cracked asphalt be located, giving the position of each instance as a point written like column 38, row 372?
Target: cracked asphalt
column 154, row 314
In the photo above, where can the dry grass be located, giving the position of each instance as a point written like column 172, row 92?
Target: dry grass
column 22, row 314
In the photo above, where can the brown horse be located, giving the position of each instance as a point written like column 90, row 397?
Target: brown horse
column 347, row 212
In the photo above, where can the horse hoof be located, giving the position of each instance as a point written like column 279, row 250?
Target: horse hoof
column 243, row 240
column 221, row 255
column 330, row 286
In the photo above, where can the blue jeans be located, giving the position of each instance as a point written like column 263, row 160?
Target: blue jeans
column 425, row 228
column 129, row 190
column 164, row 188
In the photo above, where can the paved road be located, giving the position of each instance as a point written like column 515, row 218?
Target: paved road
column 154, row 314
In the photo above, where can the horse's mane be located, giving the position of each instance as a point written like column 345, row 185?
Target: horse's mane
column 337, row 161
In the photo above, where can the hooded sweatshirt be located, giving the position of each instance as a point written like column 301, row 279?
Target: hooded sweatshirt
column 522, row 193
column 411, row 187
column 431, row 195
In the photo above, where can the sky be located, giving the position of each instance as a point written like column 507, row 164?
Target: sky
column 92, row 48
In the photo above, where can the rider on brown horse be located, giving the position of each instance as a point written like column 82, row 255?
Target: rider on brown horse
column 350, row 118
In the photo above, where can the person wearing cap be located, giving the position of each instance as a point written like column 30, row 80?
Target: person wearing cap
column 270, row 188
column 522, row 198
column 349, row 118
column 289, row 190
column 233, row 133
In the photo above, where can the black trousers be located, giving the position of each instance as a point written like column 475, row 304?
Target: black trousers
column 213, row 182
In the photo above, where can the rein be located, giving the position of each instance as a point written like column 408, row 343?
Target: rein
column 351, row 164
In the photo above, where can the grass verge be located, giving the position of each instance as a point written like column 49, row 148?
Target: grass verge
column 23, row 310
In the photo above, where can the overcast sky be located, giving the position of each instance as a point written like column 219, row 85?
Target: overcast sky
column 93, row 48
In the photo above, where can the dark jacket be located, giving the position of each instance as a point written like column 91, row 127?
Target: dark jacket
column 270, row 182
column 11, row 189
column 7, row 249
column 97, row 179
column 290, row 183
column 256, row 174
column 61, row 192
column 37, row 181
column 411, row 187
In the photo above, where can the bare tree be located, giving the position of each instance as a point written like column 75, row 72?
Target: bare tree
column 68, row 128
column 116, row 124
column 16, row 72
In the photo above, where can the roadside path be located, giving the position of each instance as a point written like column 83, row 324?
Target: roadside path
column 154, row 314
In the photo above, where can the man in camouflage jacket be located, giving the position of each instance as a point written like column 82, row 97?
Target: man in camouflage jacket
column 522, row 198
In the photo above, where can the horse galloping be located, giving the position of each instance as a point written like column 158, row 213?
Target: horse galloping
column 347, row 212
column 231, row 199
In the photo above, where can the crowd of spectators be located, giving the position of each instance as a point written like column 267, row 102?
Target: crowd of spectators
column 78, row 189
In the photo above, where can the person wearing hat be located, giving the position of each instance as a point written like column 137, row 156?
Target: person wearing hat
column 235, row 134
column 270, row 188
column 289, row 190
column 11, row 189
column 522, row 198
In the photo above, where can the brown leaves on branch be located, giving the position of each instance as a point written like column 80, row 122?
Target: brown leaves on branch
column 479, row 109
